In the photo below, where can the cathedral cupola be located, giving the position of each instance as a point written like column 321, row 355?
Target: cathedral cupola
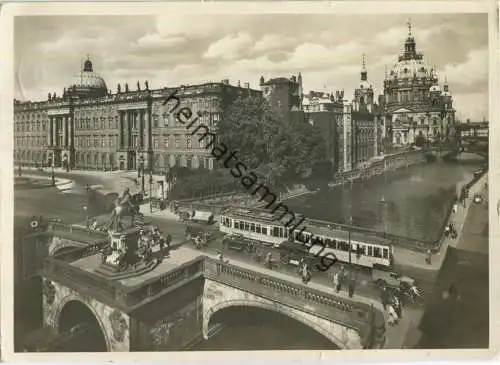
column 87, row 66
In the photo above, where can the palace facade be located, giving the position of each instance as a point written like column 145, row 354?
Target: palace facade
column 89, row 127
column 415, row 105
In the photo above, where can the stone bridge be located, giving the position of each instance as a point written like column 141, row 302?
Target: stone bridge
column 184, row 300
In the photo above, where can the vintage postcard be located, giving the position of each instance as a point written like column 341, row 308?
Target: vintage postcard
column 209, row 178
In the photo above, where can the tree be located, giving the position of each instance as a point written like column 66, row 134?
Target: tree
column 420, row 140
column 292, row 148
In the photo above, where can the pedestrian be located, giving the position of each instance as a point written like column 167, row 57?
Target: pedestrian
column 428, row 258
column 336, row 282
column 269, row 261
column 384, row 297
column 161, row 243
column 397, row 307
column 351, row 288
column 455, row 208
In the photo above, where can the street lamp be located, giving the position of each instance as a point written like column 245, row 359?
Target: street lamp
column 53, row 174
column 19, row 169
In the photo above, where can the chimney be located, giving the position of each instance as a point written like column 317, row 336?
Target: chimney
column 246, row 85
column 239, row 83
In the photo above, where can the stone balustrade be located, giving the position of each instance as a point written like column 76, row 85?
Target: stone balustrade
column 348, row 313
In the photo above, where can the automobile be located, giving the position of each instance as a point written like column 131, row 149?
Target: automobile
column 383, row 276
column 478, row 199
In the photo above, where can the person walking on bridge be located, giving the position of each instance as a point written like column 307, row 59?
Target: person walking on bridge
column 336, row 282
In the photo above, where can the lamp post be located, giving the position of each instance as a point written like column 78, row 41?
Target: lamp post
column 150, row 190
column 53, row 175
column 20, row 172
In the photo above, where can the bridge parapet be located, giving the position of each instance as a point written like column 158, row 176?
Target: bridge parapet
column 363, row 318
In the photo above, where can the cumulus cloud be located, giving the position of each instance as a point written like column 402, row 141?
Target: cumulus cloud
column 229, row 47
column 472, row 71
column 157, row 41
column 173, row 49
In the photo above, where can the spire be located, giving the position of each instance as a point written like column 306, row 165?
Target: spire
column 445, row 86
column 410, row 52
column 364, row 73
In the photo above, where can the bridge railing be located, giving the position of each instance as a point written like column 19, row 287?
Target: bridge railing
column 349, row 313
column 70, row 228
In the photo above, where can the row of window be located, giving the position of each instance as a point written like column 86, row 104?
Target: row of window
column 31, row 127
column 30, row 141
column 341, row 245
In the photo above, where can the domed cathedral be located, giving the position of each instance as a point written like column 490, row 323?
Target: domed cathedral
column 416, row 109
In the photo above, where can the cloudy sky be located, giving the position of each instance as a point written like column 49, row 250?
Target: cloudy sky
column 174, row 50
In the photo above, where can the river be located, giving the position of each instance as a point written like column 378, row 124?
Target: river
column 410, row 202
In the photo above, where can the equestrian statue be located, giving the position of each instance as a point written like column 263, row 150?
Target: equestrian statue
column 125, row 206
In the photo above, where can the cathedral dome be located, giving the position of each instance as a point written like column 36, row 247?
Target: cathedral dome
column 409, row 68
column 88, row 83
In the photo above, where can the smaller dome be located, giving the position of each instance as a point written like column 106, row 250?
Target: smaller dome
column 435, row 88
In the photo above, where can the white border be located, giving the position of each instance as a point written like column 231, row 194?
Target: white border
column 376, row 7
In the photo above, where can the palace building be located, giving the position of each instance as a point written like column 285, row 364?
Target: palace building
column 415, row 105
column 89, row 127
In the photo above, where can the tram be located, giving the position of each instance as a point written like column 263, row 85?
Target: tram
column 318, row 239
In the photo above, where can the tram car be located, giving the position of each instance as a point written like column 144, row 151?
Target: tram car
column 254, row 224
column 318, row 239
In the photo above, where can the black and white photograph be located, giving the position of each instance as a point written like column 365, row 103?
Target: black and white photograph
column 255, row 180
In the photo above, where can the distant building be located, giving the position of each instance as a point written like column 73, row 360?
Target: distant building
column 89, row 127
column 283, row 95
column 324, row 111
column 415, row 105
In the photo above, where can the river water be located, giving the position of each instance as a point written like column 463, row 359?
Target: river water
column 410, row 202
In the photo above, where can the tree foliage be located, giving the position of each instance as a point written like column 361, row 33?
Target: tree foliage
column 291, row 149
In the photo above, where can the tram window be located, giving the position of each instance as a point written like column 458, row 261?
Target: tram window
column 360, row 249
column 386, row 253
column 252, row 227
column 282, row 234
column 377, row 252
column 276, row 232
column 370, row 250
column 328, row 243
column 343, row 246
column 236, row 225
column 258, row 228
column 264, row 230
column 334, row 244
column 247, row 226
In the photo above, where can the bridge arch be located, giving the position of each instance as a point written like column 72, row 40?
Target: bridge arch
column 60, row 246
column 342, row 342
column 74, row 304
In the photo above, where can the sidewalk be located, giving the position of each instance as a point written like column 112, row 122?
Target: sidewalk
column 406, row 257
column 61, row 184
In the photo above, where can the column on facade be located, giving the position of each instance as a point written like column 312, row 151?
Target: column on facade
column 147, row 130
column 121, row 128
column 126, row 130
column 141, row 128
column 50, row 132
column 71, row 131
column 65, row 131
column 54, row 131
